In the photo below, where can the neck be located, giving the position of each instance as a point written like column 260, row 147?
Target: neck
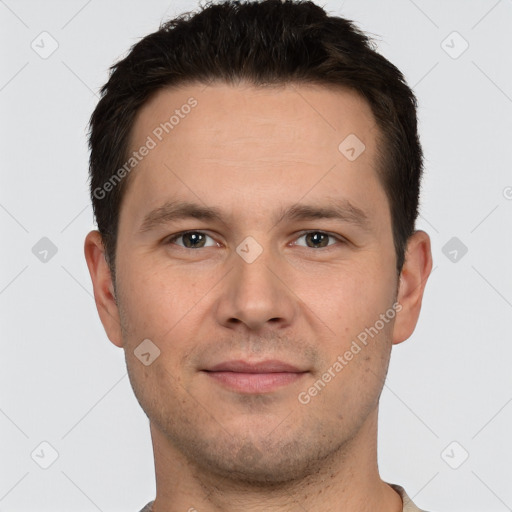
column 348, row 480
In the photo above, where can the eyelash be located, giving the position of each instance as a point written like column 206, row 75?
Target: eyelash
column 340, row 239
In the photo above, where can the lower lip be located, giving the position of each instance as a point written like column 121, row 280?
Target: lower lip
column 255, row 382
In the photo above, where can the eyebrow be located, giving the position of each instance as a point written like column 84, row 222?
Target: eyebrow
column 179, row 210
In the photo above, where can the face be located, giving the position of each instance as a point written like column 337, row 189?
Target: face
column 255, row 252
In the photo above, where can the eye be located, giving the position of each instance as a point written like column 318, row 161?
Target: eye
column 317, row 239
column 191, row 240
column 198, row 240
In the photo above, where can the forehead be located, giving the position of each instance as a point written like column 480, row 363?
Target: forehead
column 228, row 114
column 252, row 141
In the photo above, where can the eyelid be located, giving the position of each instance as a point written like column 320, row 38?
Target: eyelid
column 339, row 238
column 171, row 239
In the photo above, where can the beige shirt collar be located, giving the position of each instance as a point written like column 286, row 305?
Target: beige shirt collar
column 408, row 505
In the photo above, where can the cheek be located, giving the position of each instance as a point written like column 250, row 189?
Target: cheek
column 351, row 306
column 156, row 304
column 156, row 300
column 349, row 296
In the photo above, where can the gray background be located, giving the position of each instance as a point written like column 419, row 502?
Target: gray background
column 449, row 388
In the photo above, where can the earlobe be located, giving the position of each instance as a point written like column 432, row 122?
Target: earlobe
column 413, row 279
column 103, row 287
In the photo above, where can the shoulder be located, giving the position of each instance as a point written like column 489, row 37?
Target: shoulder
column 408, row 505
column 148, row 507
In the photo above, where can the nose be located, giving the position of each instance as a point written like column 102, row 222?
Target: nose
column 257, row 295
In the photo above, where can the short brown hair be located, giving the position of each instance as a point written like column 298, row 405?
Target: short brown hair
column 267, row 42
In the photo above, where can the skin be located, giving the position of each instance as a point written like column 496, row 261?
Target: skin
column 253, row 153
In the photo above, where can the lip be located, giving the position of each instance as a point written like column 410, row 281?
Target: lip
column 268, row 366
column 254, row 377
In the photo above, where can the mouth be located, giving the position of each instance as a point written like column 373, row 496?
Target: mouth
column 256, row 377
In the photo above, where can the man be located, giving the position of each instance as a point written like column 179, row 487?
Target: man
column 255, row 171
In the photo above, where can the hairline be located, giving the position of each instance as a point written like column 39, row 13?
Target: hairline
column 380, row 164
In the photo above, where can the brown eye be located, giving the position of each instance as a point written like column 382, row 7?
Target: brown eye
column 191, row 240
column 317, row 239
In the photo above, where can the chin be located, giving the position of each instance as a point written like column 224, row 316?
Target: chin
column 270, row 466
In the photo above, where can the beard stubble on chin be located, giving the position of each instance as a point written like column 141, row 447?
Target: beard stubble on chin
column 261, row 450
column 264, row 449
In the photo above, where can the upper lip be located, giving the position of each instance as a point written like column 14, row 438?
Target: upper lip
column 241, row 366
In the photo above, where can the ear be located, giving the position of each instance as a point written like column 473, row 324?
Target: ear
column 413, row 278
column 103, row 287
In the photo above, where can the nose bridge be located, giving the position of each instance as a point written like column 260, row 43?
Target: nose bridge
column 255, row 266
column 255, row 292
